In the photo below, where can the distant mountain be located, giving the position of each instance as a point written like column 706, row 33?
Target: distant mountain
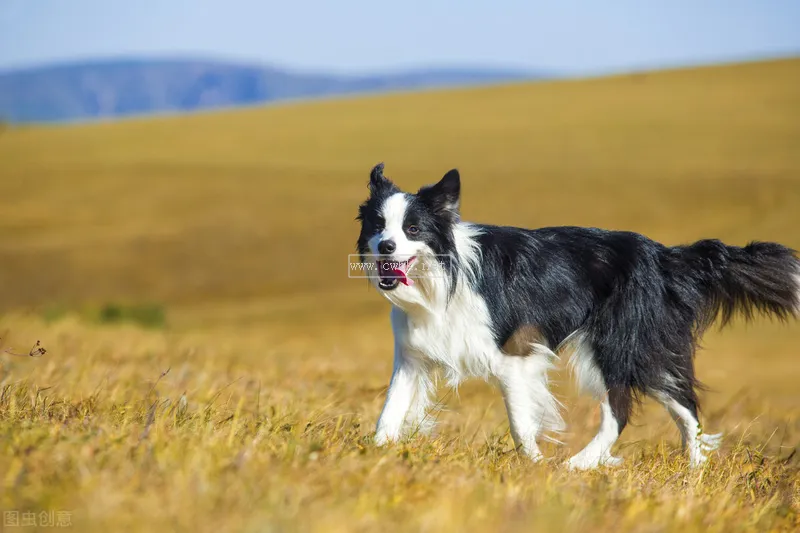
column 117, row 88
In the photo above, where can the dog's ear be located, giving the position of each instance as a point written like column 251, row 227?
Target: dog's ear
column 377, row 181
column 444, row 197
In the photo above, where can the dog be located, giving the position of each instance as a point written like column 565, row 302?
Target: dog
column 497, row 302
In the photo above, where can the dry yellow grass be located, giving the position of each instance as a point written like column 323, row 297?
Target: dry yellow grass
column 239, row 223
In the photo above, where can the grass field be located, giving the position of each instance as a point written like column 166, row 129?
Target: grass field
column 246, row 398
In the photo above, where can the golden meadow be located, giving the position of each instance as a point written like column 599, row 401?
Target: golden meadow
column 210, row 366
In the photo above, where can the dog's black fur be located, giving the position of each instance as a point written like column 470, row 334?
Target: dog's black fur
column 642, row 305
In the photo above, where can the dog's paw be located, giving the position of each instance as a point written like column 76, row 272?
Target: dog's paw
column 705, row 444
column 382, row 438
column 537, row 458
column 697, row 459
column 585, row 461
column 533, row 456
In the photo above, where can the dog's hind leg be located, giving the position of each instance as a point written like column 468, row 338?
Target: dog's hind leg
column 683, row 409
column 614, row 410
column 615, row 406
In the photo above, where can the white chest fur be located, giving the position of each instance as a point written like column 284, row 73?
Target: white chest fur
column 456, row 337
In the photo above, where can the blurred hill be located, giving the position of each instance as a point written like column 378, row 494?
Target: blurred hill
column 258, row 205
column 115, row 88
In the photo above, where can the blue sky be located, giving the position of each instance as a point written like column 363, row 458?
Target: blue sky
column 590, row 36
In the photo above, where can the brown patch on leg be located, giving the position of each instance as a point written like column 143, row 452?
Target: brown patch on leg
column 520, row 342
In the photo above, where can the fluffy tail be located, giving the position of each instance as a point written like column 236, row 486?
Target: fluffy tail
column 762, row 277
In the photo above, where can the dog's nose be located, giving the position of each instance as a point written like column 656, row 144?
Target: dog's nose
column 386, row 247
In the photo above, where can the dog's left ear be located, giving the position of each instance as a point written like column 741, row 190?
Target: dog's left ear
column 444, row 197
column 377, row 180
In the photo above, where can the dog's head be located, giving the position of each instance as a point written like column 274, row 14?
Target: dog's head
column 408, row 236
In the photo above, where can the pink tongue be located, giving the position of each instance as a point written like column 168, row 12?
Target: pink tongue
column 401, row 275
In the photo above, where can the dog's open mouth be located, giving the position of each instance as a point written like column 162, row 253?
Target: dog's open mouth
column 393, row 273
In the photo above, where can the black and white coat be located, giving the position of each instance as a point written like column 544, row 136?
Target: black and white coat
column 501, row 302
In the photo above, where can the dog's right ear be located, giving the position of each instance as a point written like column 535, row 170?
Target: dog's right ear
column 377, row 180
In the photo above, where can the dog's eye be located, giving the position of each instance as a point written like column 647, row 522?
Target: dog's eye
column 379, row 223
column 412, row 230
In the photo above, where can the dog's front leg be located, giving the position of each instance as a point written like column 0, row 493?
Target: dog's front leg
column 404, row 390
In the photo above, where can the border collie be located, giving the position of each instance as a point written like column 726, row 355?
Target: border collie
column 629, row 310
